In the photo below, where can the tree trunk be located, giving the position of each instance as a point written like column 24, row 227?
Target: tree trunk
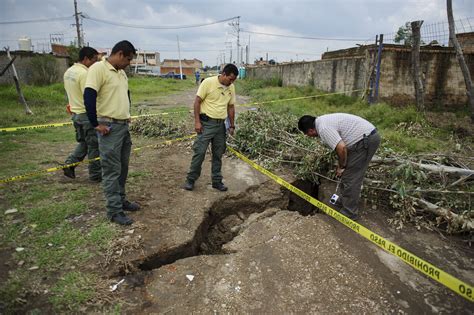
column 415, row 54
column 460, row 57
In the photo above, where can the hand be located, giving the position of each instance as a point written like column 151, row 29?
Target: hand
column 102, row 129
column 231, row 130
column 198, row 127
column 339, row 171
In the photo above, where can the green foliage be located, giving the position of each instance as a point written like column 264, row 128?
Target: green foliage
column 404, row 34
column 156, row 126
column 73, row 52
column 48, row 103
column 273, row 140
column 45, row 70
column 246, row 86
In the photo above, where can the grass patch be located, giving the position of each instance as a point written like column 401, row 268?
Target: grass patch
column 73, row 290
column 48, row 103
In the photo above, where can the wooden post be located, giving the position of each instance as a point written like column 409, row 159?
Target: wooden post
column 415, row 57
column 461, row 60
column 371, row 73
column 17, row 84
column 377, row 75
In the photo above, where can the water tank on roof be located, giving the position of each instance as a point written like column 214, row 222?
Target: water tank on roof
column 24, row 43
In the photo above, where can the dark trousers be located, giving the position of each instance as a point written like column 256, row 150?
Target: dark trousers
column 358, row 159
column 214, row 132
column 87, row 144
column 115, row 149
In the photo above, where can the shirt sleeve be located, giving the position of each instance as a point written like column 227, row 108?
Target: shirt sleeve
column 94, row 78
column 330, row 136
column 232, row 91
column 203, row 89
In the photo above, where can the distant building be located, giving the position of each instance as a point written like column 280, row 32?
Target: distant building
column 188, row 66
column 466, row 40
column 146, row 62
column 59, row 50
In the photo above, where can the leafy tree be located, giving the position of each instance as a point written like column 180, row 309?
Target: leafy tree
column 73, row 52
column 404, row 34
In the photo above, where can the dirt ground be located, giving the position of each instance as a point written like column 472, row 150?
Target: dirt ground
column 243, row 251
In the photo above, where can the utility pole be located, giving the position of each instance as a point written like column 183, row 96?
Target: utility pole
column 78, row 26
column 236, row 26
column 179, row 56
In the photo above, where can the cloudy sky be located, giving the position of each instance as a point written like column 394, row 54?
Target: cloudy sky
column 356, row 21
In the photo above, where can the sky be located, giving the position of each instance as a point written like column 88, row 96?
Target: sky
column 356, row 21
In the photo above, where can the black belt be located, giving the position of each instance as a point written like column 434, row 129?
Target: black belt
column 113, row 120
column 204, row 117
column 373, row 132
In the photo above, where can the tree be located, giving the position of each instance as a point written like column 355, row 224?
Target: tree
column 404, row 34
column 460, row 57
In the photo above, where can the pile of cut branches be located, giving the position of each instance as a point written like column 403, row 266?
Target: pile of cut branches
column 157, row 126
column 431, row 190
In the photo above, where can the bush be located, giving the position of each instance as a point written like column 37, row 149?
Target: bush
column 44, row 70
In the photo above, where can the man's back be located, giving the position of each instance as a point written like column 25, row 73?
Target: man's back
column 74, row 83
column 333, row 128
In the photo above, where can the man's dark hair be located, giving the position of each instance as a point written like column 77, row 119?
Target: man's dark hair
column 88, row 52
column 230, row 68
column 125, row 47
column 305, row 123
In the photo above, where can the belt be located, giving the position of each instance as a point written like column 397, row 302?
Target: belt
column 204, row 117
column 373, row 132
column 113, row 120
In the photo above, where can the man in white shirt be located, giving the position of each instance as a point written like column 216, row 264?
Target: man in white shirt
column 355, row 141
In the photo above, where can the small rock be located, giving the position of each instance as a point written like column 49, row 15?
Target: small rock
column 33, row 268
column 50, row 244
column 20, row 249
column 190, row 277
column 20, row 263
column 130, row 231
column 10, row 211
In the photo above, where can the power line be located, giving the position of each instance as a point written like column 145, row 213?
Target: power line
column 166, row 27
column 38, row 20
column 305, row 37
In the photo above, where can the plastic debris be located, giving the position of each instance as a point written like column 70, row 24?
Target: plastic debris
column 190, row 277
column 10, row 211
column 20, row 249
column 115, row 286
column 33, row 268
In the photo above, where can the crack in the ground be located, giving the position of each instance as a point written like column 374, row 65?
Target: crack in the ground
column 227, row 218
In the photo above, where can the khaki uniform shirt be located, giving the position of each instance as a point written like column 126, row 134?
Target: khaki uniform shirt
column 215, row 97
column 112, row 90
column 74, row 84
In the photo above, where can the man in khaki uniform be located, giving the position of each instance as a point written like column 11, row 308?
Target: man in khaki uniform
column 107, row 101
column 214, row 102
column 74, row 83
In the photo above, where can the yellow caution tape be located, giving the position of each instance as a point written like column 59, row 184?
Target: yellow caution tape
column 57, row 168
column 298, row 98
column 70, row 123
column 458, row 286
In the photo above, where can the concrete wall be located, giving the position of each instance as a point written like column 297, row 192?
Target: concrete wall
column 348, row 70
column 24, row 69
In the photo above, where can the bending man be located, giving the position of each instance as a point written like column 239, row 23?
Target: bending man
column 355, row 141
